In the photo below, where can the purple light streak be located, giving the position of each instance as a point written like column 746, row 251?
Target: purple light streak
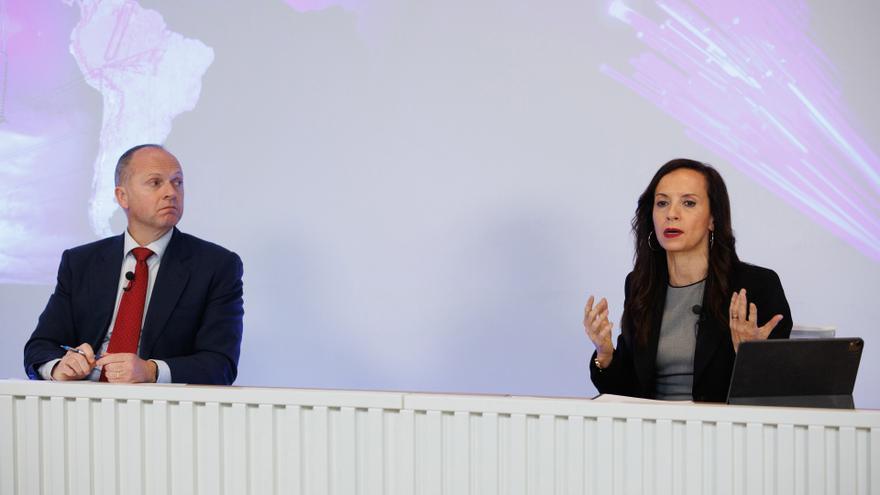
column 314, row 5
column 747, row 82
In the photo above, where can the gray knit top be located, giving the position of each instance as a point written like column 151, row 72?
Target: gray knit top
column 674, row 373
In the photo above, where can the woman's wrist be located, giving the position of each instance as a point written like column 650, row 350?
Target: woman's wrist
column 603, row 360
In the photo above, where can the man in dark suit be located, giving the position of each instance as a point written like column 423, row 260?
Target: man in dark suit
column 156, row 304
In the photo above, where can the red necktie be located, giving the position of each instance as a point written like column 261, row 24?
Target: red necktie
column 127, row 328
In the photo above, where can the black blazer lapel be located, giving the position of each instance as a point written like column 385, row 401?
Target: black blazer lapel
column 103, row 287
column 645, row 356
column 710, row 338
column 170, row 282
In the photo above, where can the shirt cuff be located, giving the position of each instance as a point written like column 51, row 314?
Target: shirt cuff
column 163, row 372
column 46, row 369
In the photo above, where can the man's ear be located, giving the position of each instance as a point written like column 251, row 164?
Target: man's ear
column 121, row 197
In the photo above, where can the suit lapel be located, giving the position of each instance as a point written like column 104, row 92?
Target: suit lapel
column 709, row 339
column 104, row 285
column 173, row 275
column 645, row 356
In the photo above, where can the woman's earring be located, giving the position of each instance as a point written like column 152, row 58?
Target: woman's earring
column 711, row 238
column 652, row 248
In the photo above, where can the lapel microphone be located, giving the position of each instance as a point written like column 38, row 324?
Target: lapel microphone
column 130, row 277
column 697, row 310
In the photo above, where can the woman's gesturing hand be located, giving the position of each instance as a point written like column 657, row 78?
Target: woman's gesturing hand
column 598, row 329
column 744, row 327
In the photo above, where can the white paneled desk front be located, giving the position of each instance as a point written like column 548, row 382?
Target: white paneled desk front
column 98, row 438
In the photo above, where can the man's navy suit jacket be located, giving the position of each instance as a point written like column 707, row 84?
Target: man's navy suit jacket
column 193, row 322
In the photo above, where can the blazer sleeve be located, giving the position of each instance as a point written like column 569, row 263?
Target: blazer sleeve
column 619, row 377
column 217, row 340
column 770, row 301
column 55, row 325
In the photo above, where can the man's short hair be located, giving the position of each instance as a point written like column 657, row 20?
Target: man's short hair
column 125, row 159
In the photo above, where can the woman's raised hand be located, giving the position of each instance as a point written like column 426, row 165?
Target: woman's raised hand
column 598, row 329
column 744, row 327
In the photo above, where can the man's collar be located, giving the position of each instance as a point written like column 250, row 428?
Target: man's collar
column 158, row 246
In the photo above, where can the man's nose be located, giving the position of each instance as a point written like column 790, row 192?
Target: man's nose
column 169, row 190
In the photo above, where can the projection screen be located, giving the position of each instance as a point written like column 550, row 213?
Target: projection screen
column 425, row 193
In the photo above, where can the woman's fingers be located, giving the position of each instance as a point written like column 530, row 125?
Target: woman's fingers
column 596, row 324
column 770, row 325
column 592, row 314
column 732, row 309
column 742, row 304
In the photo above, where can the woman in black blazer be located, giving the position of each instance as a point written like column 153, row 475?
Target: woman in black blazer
column 689, row 300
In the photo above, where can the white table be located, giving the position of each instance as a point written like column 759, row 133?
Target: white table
column 102, row 438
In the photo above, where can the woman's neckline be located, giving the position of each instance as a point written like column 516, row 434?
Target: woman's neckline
column 686, row 285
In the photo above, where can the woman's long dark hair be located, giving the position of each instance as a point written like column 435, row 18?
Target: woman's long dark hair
column 651, row 274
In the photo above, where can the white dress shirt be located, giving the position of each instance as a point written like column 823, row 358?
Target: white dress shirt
column 128, row 265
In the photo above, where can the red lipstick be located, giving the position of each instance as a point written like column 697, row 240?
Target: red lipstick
column 671, row 233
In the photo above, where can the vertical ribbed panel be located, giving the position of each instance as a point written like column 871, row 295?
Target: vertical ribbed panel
column 404, row 458
column 590, row 456
column 754, row 473
column 723, row 483
column 429, row 453
column 874, row 456
column 7, row 445
column 487, row 454
column 604, row 455
column 663, row 457
column 816, row 460
column 288, row 445
column 316, row 451
column 634, row 482
column 343, row 451
column 55, row 462
column 678, row 467
column 182, row 449
column 515, row 472
column 560, row 453
column 800, row 460
column 131, row 447
column 693, row 458
column 261, row 449
column 235, row 461
column 157, row 459
column 208, row 441
column 544, row 459
column 28, row 451
column 785, row 472
column 576, row 457
column 63, row 445
column 104, row 433
column 846, row 463
column 79, row 430
column 372, row 451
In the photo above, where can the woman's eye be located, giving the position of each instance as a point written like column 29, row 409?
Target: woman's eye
column 690, row 204
column 661, row 203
